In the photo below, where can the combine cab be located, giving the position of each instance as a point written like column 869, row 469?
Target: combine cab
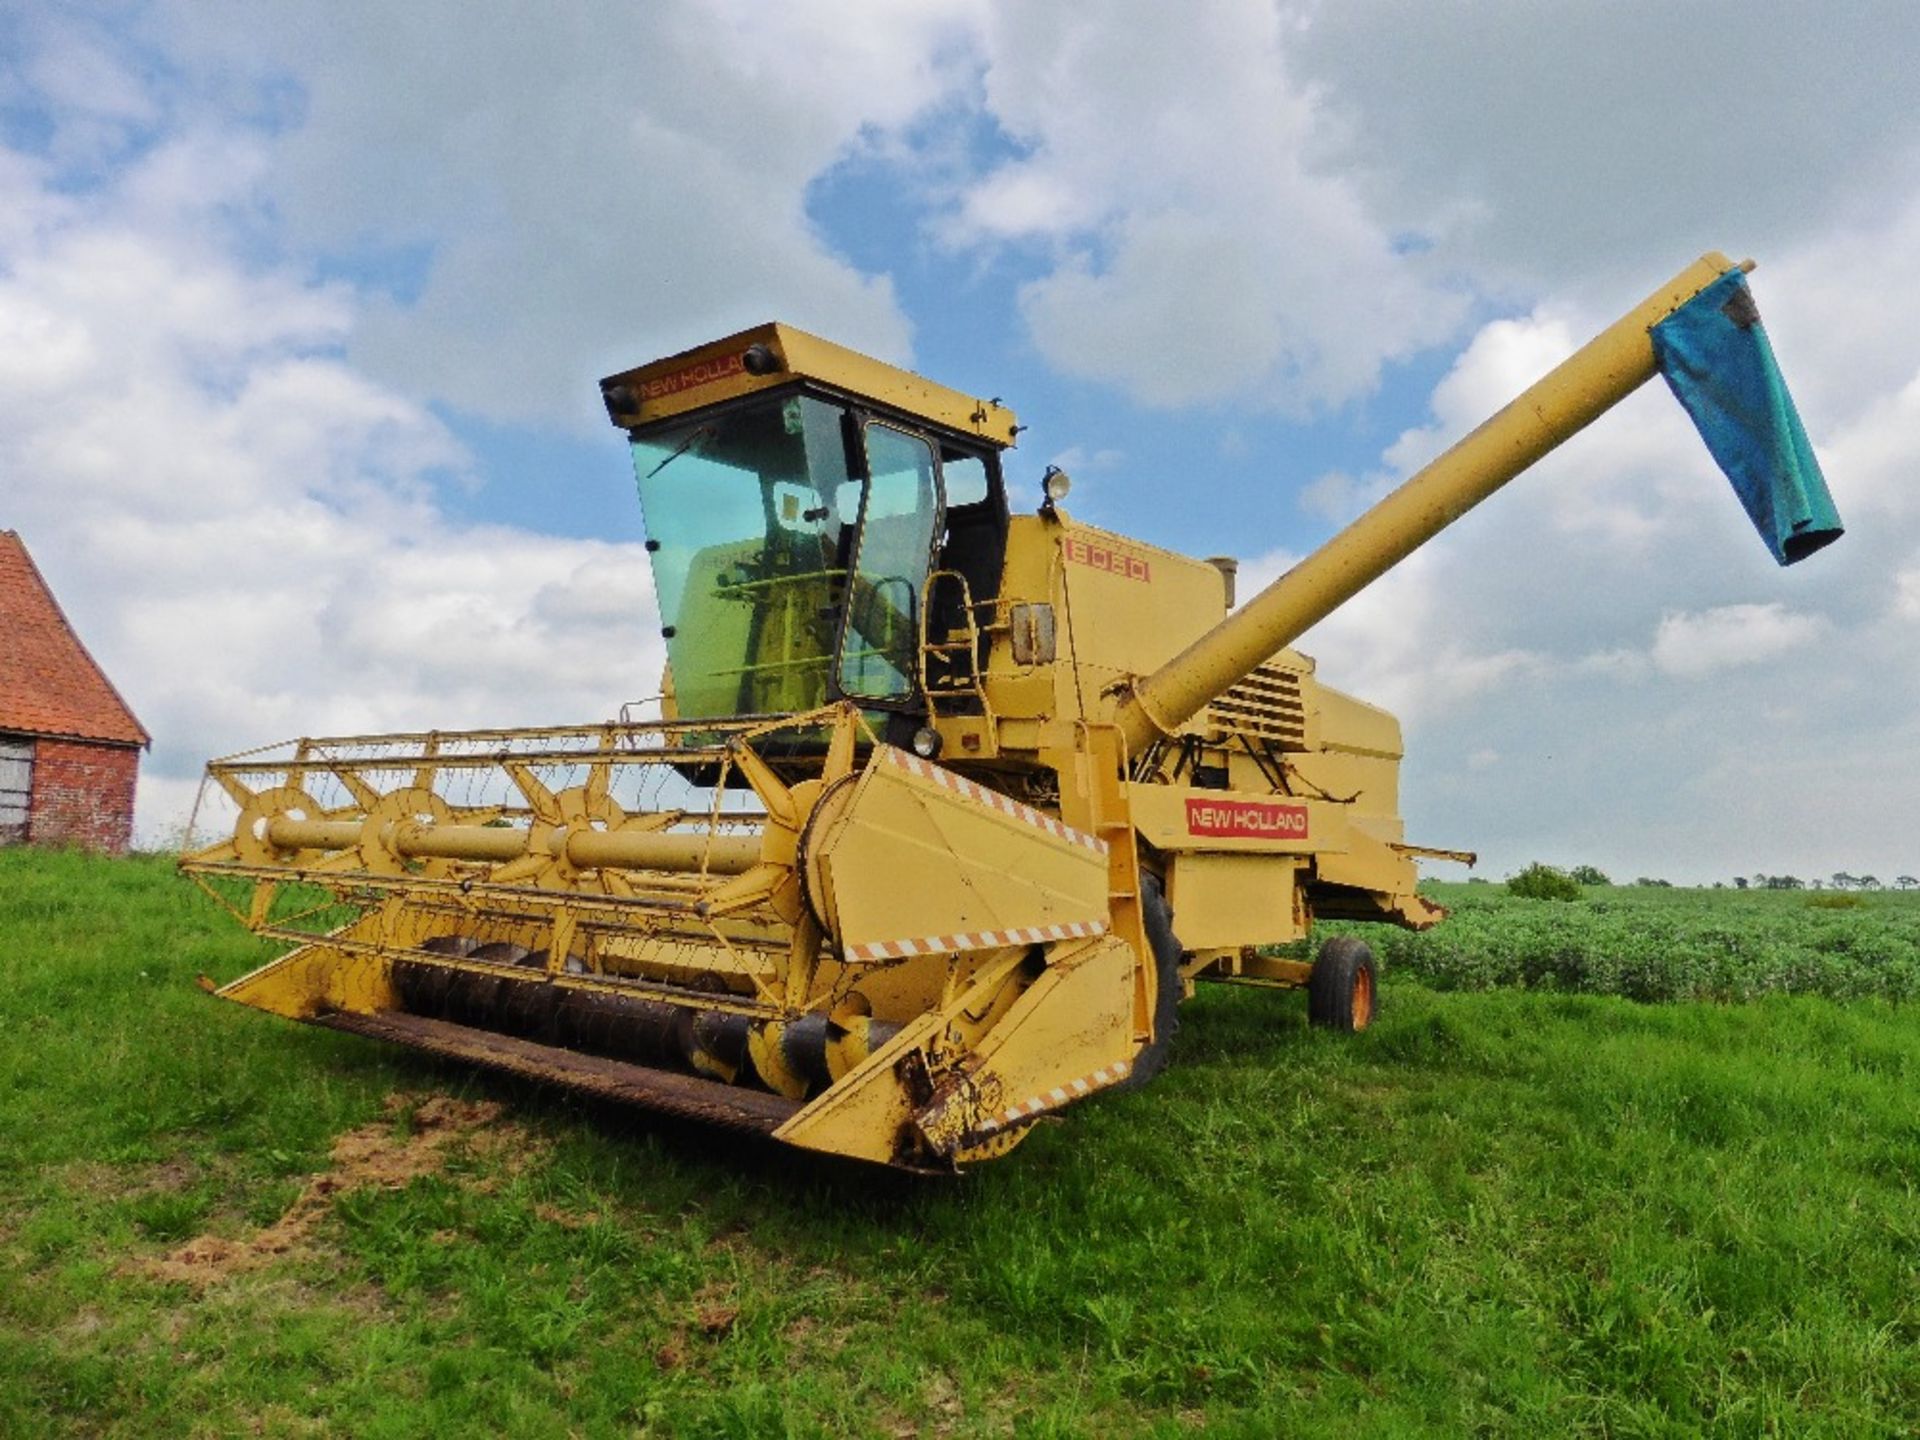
column 948, row 808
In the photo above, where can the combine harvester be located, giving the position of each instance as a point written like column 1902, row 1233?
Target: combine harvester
column 949, row 807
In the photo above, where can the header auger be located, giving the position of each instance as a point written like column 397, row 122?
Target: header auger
column 948, row 807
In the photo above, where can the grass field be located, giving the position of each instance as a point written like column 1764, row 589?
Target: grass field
column 1499, row 1212
column 1669, row 944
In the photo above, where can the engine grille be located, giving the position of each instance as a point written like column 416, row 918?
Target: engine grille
column 1267, row 705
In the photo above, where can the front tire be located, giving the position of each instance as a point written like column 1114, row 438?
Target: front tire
column 1342, row 991
column 1157, row 920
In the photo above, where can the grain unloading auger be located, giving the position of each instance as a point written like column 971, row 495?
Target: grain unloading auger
column 903, row 867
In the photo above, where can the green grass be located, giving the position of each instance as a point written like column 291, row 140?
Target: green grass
column 1499, row 1213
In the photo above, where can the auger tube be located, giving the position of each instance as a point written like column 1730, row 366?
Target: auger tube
column 626, row 850
column 1591, row 381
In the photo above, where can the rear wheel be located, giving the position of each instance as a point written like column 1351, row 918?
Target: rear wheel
column 1341, row 990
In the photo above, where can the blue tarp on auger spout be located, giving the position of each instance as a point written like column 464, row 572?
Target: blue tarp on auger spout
column 1714, row 352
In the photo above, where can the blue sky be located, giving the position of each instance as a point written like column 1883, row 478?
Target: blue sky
column 302, row 311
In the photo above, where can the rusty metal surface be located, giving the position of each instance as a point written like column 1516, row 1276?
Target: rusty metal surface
column 707, row 1101
column 1463, row 857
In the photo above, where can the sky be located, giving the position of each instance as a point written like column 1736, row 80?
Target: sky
column 302, row 309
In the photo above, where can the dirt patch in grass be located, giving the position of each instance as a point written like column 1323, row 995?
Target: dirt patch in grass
column 564, row 1218
column 112, row 1182
column 417, row 1137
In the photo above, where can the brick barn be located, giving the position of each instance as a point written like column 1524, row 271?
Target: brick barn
column 69, row 746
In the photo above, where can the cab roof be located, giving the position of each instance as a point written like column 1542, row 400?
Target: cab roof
column 772, row 355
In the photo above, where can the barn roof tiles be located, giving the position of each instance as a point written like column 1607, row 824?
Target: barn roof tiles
column 49, row 684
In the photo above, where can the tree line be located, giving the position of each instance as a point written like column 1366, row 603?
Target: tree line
column 1839, row 880
column 1548, row 882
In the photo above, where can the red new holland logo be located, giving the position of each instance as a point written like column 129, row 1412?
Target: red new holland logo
column 1246, row 819
column 706, row 372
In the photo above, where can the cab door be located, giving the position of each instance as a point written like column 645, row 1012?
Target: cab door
column 899, row 519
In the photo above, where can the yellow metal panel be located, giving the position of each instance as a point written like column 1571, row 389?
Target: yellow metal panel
column 863, row 1116
column 1221, row 900
column 1018, row 693
column 303, row 982
column 1369, row 863
column 1069, row 1035
column 919, row 860
column 709, row 374
column 1130, row 606
column 1354, row 727
column 1268, row 970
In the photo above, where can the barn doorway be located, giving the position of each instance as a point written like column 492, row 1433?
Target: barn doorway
column 16, row 788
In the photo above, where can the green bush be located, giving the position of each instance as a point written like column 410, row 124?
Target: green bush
column 1829, row 900
column 1543, row 882
column 1589, row 875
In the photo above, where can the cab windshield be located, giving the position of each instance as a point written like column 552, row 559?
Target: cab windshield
column 768, row 584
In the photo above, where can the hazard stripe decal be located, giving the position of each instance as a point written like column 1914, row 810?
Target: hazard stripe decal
column 977, row 940
column 1060, row 1094
column 993, row 799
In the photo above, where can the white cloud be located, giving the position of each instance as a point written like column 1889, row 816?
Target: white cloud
column 1875, row 456
column 585, row 187
column 1204, row 249
column 1622, row 664
column 1380, row 646
column 1500, row 361
column 1333, row 496
column 1078, row 460
column 1339, row 497
column 1906, row 585
column 1577, row 150
column 1729, row 636
column 71, row 64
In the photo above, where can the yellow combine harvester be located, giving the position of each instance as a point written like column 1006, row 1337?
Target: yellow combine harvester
column 949, row 806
